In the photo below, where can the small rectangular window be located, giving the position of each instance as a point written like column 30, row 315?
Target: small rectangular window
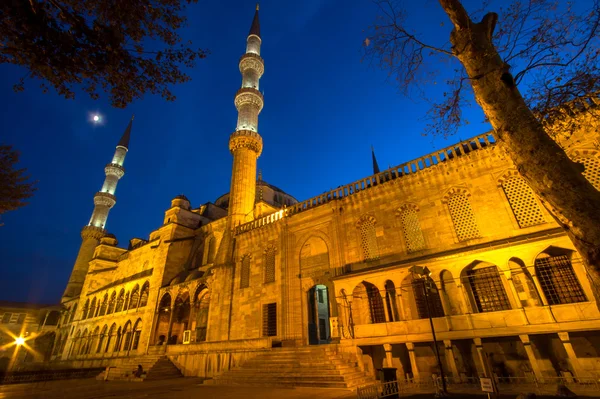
column 6, row 318
column 21, row 318
column 320, row 293
column 270, row 320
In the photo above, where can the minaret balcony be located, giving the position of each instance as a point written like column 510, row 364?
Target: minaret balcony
column 252, row 61
column 246, row 139
column 105, row 199
column 249, row 95
column 114, row 169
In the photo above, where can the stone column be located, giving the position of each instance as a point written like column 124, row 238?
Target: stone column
column 413, row 359
column 577, row 369
column 537, row 371
column 451, row 360
column 388, row 355
column 401, row 307
column 466, row 304
column 169, row 331
column 513, row 289
column 486, row 370
column 538, row 288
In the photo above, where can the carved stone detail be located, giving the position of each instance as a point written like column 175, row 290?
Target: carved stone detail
column 105, row 199
column 252, row 61
column 246, row 139
column 249, row 95
column 92, row 232
column 114, row 169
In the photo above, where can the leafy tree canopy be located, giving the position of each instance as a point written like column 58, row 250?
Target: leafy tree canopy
column 125, row 48
column 15, row 187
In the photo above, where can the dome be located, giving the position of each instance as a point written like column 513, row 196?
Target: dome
column 181, row 196
column 264, row 192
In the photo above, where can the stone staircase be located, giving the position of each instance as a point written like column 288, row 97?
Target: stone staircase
column 156, row 367
column 315, row 366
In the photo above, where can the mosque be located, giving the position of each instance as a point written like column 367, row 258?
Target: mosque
column 237, row 288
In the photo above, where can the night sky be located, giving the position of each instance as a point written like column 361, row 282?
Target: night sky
column 324, row 108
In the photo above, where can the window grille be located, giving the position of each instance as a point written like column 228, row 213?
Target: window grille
column 433, row 295
column 522, row 202
column 369, row 239
column 92, row 310
column 375, row 305
column 591, row 170
column 270, row 320
column 558, row 280
column 120, row 302
column 21, row 318
column 103, row 306
column 462, row 217
column 135, row 297
column 6, row 318
column 245, row 272
column 488, row 290
column 112, row 303
column 411, row 229
column 270, row 265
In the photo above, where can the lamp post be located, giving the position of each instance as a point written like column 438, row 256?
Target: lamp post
column 424, row 273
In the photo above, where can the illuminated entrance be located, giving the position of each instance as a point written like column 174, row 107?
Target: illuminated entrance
column 318, row 315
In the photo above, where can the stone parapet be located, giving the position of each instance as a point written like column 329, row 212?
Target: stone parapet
column 92, row 232
column 114, row 169
column 246, row 139
column 249, row 95
column 252, row 61
column 105, row 199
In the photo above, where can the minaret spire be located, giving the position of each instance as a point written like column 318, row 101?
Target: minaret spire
column 375, row 165
column 104, row 200
column 245, row 143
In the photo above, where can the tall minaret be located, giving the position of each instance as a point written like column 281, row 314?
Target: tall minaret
column 104, row 200
column 245, row 143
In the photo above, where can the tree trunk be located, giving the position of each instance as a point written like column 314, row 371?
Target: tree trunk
column 557, row 180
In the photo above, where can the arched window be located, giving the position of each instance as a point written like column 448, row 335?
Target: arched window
column 104, row 305
column 558, row 280
column 487, row 288
column 85, row 310
column 368, row 238
column 101, row 339
column 522, row 202
column 462, row 216
column 112, row 302
column 527, row 292
column 126, row 302
column 118, row 338
column 137, row 331
column 73, row 311
column 120, row 301
column 202, row 305
column 94, row 340
column 92, row 310
column 427, row 298
column 245, row 272
column 211, row 249
column 270, row 264
column 112, row 333
column 411, row 228
column 134, row 298
column 144, row 294
column 84, row 343
column 591, row 170
column 367, row 304
column 127, row 335
column 390, row 299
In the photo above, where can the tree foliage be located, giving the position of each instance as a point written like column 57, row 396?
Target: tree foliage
column 15, row 187
column 125, row 48
column 533, row 68
column 551, row 49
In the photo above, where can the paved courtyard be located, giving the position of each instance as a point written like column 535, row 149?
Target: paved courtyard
column 179, row 388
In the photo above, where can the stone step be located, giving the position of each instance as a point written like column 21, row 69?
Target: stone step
column 280, row 383
column 269, row 368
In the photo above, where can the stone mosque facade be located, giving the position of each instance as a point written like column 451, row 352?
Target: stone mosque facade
column 354, row 273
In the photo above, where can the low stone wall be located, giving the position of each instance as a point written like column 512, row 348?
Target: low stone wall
column 209, row 359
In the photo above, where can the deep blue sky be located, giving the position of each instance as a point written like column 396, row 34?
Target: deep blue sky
column 323, row 110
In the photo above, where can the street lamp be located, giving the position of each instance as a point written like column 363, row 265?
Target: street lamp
column 424, row 273
column 19, row 341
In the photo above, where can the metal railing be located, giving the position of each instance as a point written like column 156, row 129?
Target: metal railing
column 546, row 385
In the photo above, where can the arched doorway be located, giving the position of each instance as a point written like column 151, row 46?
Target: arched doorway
column 181, row 318
column 162, row 325
column 201, row 305
column 318, row 315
